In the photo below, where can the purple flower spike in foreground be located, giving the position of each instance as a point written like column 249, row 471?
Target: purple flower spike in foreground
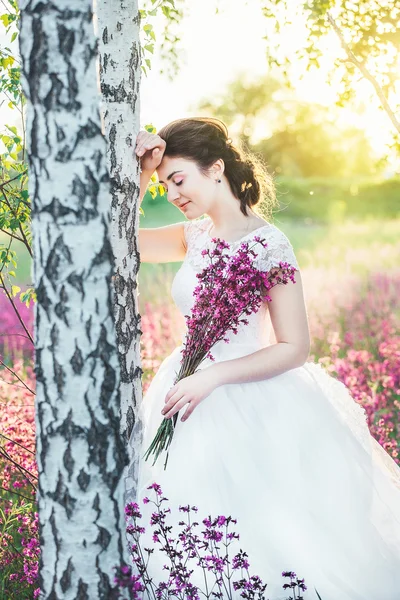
column 224, row 577
column 233, row 287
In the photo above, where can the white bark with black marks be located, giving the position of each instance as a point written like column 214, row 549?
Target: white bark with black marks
column 80, row 452
column 120, row 74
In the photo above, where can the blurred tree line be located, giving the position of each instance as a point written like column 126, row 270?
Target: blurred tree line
column 303, row 139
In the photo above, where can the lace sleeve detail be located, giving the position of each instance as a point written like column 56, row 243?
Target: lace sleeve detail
column 188, row 228
column 194, row 231
column 279, row 249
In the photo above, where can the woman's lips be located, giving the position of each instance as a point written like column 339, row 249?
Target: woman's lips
column 186, row 203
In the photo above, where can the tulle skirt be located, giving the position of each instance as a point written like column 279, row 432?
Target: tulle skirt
column 291, row 458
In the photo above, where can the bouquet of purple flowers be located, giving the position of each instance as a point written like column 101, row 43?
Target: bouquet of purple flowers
column 230, row 287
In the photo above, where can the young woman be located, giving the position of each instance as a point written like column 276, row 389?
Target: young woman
column 262, row 435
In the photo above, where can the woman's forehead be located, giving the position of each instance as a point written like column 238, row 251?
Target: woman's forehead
column 169, row 164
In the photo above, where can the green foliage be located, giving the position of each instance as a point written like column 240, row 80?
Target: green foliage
column 314, row 145
column 328, row 200
column 169, row 39
column 368, row 28
column 15, row 206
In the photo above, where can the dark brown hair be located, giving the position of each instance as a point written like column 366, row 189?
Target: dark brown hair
column 205, row 140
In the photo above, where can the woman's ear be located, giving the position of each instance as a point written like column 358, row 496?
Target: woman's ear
column 218, row 168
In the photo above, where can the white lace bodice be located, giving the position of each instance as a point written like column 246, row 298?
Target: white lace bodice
column 257, row 332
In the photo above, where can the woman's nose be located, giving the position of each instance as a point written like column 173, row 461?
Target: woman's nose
column 172, row 196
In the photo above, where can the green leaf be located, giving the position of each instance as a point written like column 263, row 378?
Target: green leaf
column 7, row 61
column 12, row 128
column 28, row 296
column 7, row 141
column 14, row 35
column 6, row 19
column 150, row 48
column 150, row 128
column 14, row 290
column 11, row 273
column 14, row 224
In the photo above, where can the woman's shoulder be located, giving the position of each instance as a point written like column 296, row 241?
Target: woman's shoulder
column 194, row 227
column 279, row 246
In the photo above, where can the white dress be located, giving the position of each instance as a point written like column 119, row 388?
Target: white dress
column 290, row 457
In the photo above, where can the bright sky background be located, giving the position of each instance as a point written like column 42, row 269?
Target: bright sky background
column 216, row 48
column 219, row 46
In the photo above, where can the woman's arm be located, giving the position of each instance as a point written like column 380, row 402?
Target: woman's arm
column 145, row 177
column 156, row 244
column 290, row 324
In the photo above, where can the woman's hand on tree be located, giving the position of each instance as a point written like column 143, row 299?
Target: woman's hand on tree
column 150, row 149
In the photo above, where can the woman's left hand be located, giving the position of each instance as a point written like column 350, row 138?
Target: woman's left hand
column 191, row 391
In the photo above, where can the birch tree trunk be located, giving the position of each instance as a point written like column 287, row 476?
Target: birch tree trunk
column 120, row 71
column 80, row 453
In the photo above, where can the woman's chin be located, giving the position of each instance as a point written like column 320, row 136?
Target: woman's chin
column 191, row 211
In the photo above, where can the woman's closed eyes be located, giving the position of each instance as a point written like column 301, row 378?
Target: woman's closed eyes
column 176, row 183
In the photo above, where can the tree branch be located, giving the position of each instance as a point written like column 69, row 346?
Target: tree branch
column 16, row 493
column 13, row 179
column 365, row 72
column 24, row 472
column 19, row 378
column 3, row 285
column 15, row 237
column 17, row 443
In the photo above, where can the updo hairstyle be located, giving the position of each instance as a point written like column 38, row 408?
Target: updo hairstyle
column 205, row 140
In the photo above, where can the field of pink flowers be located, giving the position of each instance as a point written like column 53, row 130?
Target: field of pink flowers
column 355, row 330
column 19, row 544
